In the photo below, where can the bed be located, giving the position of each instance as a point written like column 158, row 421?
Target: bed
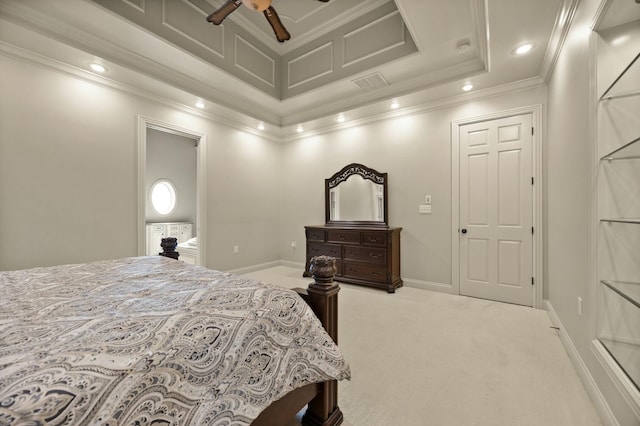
column 153, row 341
column 188, row 250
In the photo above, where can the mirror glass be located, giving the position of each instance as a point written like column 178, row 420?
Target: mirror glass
column 357, row 199
column 356, row 195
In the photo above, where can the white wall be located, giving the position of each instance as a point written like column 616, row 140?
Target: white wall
column 415, row 150
column 68, row 177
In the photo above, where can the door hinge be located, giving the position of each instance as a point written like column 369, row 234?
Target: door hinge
column 532, row 230
column 532, row 131
column 531, row 180
column 532, row 281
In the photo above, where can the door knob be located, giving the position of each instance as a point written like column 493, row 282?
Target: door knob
column 463, row 230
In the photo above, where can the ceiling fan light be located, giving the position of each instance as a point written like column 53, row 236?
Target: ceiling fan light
column 257, row 5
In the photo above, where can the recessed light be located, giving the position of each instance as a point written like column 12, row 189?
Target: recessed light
column 467, row 87
column 394, row 104
column 463, row 45
column 341, row 118
column 523, row 49
column 200, row 104
column 97, row 67
column 261, row 126
column 300, row 129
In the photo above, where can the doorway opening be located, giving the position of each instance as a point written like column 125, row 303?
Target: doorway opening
column 171, row 189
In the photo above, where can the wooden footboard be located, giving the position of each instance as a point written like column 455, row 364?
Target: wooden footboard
column 321, row 398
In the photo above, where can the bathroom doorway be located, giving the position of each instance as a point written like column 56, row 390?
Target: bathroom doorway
column 171, row 189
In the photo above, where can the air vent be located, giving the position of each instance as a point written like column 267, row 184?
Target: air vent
column 371, row 82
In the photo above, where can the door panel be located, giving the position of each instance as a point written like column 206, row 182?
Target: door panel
column 496, row 202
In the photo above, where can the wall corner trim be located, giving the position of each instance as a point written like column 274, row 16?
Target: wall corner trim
column 603, row 409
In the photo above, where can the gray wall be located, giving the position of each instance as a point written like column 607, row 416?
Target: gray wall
column 68, row 175
column 415, row 151
column 172, row 157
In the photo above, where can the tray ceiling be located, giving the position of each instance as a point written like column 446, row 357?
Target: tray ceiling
column 344, row 56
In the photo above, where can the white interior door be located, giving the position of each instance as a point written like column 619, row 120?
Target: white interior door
column 496, row 210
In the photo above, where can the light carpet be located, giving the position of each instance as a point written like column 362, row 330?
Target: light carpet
column 425, row 358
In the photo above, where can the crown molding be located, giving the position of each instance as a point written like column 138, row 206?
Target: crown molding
column 558, row 37
column 27, row 56
column 422, row 108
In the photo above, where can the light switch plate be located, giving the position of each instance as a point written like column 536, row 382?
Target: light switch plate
column 427, row 199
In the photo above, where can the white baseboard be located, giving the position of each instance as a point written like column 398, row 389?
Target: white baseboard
column 409, row 282
column 428, row 285
column 254, row 268
column 603, row 409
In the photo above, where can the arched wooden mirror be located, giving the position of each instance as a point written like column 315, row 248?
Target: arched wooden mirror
column 356, row 196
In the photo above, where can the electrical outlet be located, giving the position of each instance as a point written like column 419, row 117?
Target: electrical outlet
column 236, row 249
column 293, row 244
column 580, row 306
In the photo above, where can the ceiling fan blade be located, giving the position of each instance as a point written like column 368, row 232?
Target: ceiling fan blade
column 225, row 10
column 324, row 1
column 281, row 32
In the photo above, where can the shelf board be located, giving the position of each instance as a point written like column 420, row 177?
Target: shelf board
column 620, row 220
column 627, row 356
column 629, row 290
column 628, row 151
column 610, row 93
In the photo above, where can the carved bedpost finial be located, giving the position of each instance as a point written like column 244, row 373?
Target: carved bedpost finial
column 323, row 269
column 169, row 245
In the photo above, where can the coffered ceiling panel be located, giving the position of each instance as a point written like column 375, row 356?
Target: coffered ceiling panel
column 369, row 38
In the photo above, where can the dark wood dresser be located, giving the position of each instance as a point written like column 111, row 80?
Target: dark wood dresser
column 364, row 255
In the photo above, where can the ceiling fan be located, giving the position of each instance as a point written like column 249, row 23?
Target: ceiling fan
column 264, row 6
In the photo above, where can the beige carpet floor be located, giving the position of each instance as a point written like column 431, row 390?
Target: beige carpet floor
column 425, row 358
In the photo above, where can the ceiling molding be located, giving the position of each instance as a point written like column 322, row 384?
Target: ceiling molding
column 480, row 19
column 221, row 117
column 558, row 37
column 427, row 106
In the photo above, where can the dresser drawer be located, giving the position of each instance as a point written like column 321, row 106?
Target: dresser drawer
column 365, row 271
column 315, row 235
column 321, row 249
column 343, row 237
column 374, row 239
column 366, row 254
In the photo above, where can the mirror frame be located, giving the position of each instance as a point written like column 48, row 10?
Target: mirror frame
column 366, row 173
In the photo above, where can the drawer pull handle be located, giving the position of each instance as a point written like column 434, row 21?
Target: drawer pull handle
column 375, row 274
column 373, row 240
column 341, row 238
column 374, row 256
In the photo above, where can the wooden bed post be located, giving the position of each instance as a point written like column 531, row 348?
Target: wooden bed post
column 169, row 245
column 322, row 297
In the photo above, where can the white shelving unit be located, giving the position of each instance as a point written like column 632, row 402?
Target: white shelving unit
column 618, row 143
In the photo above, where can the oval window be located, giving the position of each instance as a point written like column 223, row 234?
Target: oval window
column 163, row 197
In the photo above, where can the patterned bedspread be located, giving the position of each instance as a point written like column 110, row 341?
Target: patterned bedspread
column 150, row 340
